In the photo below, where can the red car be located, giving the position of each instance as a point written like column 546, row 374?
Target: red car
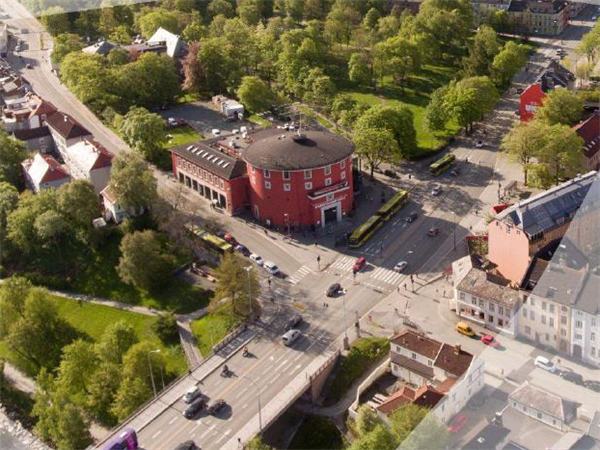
column 230, row 239
column 458, row 423
column 360, row 264
column 490, row 341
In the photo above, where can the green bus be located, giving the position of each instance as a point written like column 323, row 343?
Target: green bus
column 393, row 205
column 364, row 232
column 442, row 164
column 212, row 241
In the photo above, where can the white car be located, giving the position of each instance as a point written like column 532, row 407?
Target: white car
column 479, row 144
column 243, row 129
column 290, row 337
column 595, row 18
column 401, row 266
column 437, row 190
column 545, row 363
column 216, row 132
column 191, row 394
column 271, row 268
column 257, row 259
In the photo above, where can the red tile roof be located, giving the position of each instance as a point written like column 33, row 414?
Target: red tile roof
column 417, row 343
column 66, row 126
column 589, row 131
column 453, row 360
column 42, row 108
column 55, row 170
column 425, row 396
column 104, row 156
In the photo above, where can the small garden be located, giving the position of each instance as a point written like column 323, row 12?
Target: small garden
column 361, row 357
column 317, row 432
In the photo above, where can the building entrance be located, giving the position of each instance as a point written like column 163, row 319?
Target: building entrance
column 331, row 215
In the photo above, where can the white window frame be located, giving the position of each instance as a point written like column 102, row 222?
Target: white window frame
column 287, row 187
column 308, row 185
column 286, row 175
column 307, row 174
column 327, row 181
column 267, row 184
column 327, row 170
column 267, row 173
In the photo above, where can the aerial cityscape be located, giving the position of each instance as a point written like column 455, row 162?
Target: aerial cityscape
column 299, row 224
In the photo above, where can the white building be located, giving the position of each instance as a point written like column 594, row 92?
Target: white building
column 420, row 360
column 44, row 172
column 585, row 320
column 66, row 131
column 113, row 210
column 88, row 160
column 175, row 46
column 3, row 40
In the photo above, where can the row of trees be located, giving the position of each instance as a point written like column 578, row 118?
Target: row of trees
column 547, row 147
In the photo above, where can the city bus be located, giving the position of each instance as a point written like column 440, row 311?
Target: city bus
column 125, row 440
column 212, row 241
column 393, row 205
column 362, row 234
column 442, row 164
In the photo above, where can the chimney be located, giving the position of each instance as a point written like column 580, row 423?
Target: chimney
column 65, row 117
column 457, row 349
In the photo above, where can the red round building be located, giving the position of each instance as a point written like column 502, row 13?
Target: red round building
column 300, row 179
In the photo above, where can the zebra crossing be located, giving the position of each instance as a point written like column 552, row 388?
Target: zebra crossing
column 386, row 275
column 299, row 274
column 345, row 263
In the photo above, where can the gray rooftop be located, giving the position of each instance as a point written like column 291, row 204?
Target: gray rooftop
column 551, row 208
column 211, row 159
column 594, row 429
column 481, row 284
column 554, row 282
column 589, row 299
column 542, row 400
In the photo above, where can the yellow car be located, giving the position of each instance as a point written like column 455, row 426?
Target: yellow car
column 465, row 329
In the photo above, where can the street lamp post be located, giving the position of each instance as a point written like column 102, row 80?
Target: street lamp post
column 248, row 269
column 258, row 398
column 454, row 229
column 345, row 341
column 150, row 366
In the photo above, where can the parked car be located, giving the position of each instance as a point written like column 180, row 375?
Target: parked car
column 192, row 410
column 28, row 66
column 433, row 232
column 187, row 445
column 464, row 328
column 333, row 290
column 437, row 190
column 390, row 173
column 592, row 385
column 490, row 341
column 411, row 217
column 191, row 394
column 401, row 266
column 257, row 259
column 293, row 322
column 360, row 264
column 458, row 423
column 230, row 239
column 172, row 122
column 479, row 143
column 242, row 249
column 290, row 337
column 216, row 132
column 271, row 267
column 455, row 172
column 216, row 406
column 545, row 363
column 572, row 377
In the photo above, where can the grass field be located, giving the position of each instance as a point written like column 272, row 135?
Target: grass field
column 182, row 136
column 260, row 121
column 100, row 279
column 213, row 327
column 416, row 96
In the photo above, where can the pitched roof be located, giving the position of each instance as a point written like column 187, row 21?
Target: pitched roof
column 31, row 133
column 425, row 396
column 109, row 194
column 89, row 155
column 551, row 208
column 453, row 359
column 542, row 400
column 482, row 284
column 66, row 126
column 212, row 160
column 489, row 438
column 589, row 131
column 100, row 48
column 594, row 428
column 43, row 107
column 554, row 282
column 554, row 76
column 44, row 169
column 412, row 365
column 589, row 301
column 173, row 41
column 417, row 343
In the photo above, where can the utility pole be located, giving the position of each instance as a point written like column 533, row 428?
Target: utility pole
column 248, row 269
column 319, row 262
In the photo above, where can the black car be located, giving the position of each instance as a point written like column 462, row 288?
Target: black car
column 592, row 385
column 572, row 377
column 187, row 445
column 411, row 217
column 390, row 173
column 333, row 290
column 216, row 407
column 242, row 249
column 293, row 322
column 197, row 406
column 455, row 172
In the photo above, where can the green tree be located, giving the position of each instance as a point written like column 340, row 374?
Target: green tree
column 429, row 432
column 13, row 293
column 366, row 420
column 51, row 228
column 388, row 27
column 255, row 95
column 381, row 438
column 116, row 340
column 220, row 7
column 371, row 19
column 589, row 46
column 397, row 57
column 249, row 11
column 436, row 113
column 560, row 106
column 508, row 62
column 103, row 385
column 404, row 420
column 132, row 182
column 376, row 145
column 56, row 21
column 360, row 68
column 9, row 200
column 562, row 153
column 77, row 366
column 482, row 52
column 194, row 32
column 118, row 57
column 318, row 87
column 64, row 44
column 257, row 444
column 143, row 262
column 469, row 99
column 216, row 66
column 136, row 365
column 12, row 154
column 396, row 119
column 78, row 204
column 341, row 103
column 144, row 132
column 232, row 284
column 131, row 394
column 166, row 328
column 159, row 18
column 120, row 35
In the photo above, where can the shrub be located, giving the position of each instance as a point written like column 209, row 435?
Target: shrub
column 166, row 328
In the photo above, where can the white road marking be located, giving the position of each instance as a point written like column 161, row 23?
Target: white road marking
column 208, row 430
column 155, row 435
column 282, row 363
column 242, row 392
column 245, row 405
column 172, row 420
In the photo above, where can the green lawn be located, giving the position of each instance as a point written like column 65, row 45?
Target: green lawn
column 100, row 279
column 93, row 319
column 416, row 96
column 187, row 98
column 260, row 121
column 182, row 136
column 316, row 433
column 213, row 327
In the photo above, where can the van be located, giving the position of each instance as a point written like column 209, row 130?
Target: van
column 544, row 363
column 465, row 329
column 271, row 267
column 290, row 337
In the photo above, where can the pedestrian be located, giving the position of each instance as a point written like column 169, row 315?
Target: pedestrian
column 396, row 311
column 398, row 289
column 266, row 232
column 324, row 304
column 405, row 288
